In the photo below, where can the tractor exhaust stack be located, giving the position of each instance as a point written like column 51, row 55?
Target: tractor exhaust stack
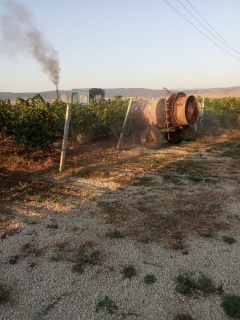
column 57, row 92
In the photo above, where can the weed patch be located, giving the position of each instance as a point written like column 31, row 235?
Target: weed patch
column 189, row 167
column 231, row 306
column 52, row 226
column 129, row 272
column 108, row 305
column 150, row 279
column 30, row 222
column 228, row 240
column 187, row 286
column 205, row 284
column 142, row 181
column 171, row 178
column 115, row 234
column 207, row 235
column 201, row 179
column 183, row 317
column 228, row 149
column 5, row 293
column 150, row 163
column 215, row 206
column 107, row 207
column 83, row 258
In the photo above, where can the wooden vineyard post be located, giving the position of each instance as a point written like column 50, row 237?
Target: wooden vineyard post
column 65, row 137
column 119, row 146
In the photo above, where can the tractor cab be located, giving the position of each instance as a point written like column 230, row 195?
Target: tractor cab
column 82, row 97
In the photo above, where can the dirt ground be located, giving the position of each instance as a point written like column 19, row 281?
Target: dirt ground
column 188, row 179
column 166, row 211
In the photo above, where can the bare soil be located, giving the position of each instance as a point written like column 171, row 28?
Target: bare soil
column 165, row 212
column 165, row 195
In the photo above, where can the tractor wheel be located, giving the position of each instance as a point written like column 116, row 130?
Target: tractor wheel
column 152, row 138
column 175, row 137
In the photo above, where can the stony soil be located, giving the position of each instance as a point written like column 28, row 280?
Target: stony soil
column 66, row 238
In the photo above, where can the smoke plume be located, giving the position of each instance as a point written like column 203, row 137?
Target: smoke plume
column 20, row 34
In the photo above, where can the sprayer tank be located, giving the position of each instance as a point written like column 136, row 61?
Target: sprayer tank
column 176, row 111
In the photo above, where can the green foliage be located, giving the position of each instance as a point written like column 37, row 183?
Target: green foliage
column 115, row 234
column 52, row 226
column 112, row 113
column 231, row 306
column 229, row 240
column 101, row 117
column 183, row 317
column 4, row 293
column 58, row 108
column 186, row 285
column 107, row 304
column 205, row 284
column 32, row 123
column 83, row 257
column 150, row 279
column 227, row 110
column 129, row 272
column 85, row 121
column 6, row 110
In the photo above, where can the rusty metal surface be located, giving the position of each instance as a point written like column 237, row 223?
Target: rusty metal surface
column 177, row 111
column 185, row 111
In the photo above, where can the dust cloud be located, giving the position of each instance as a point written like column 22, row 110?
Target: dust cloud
column 20, row 35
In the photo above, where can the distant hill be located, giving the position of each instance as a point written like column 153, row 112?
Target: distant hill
column 133, row 92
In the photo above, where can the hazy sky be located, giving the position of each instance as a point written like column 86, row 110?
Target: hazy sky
column 127, row 44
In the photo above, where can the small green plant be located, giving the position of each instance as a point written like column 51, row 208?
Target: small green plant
column 201, row 179
column 107, row 304
column 206, row 234
column 150, row 278
column 129, row 272
column 83, row 257
column 4, row 293
column 233, row 152
column 31, row 222
column 215, row 206
column 205, row 284
column 185, row 252
column 52, row 226
column 186, row 285
column 183, row 317
column 107, row 207
column 115, row 234
column 228, row 240
column 38, row 197
column 231, row 306
column 171, row 178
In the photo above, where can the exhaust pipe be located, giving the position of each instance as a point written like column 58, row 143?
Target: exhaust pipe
column 57, row 92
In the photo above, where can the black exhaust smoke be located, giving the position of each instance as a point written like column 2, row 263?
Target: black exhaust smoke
column 20, row 34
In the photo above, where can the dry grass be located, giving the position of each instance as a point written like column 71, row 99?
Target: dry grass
column 8, row 224
column 30, row 248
